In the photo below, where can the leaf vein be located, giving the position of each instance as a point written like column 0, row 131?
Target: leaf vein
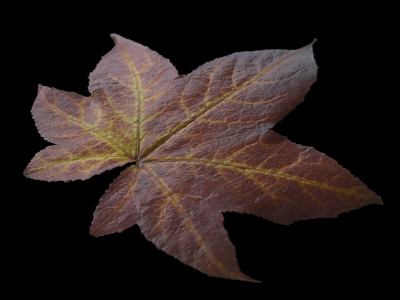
column 278, row 174
column 137, row 87
column 189, row 225
column 87, row 127
column 218, row 101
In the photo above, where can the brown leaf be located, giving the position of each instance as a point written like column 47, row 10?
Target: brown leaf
column 199, row 145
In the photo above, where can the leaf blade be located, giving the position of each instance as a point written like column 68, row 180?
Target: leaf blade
column 202, row 145
column 116, row 210
column 166, row 220
column 73, row 162
column 125, row 74
column 306, row 183
column 210, row 103
column 64, row 117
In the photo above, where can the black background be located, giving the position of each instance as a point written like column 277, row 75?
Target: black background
column 348, row 114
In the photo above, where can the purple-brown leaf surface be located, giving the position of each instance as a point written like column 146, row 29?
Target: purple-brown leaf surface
column 198, row 145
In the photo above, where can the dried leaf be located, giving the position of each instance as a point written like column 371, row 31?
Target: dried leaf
column 199, row 145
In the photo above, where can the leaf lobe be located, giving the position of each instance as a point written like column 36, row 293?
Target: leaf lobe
column 202, row 144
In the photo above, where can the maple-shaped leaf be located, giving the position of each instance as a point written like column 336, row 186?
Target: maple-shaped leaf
column 199, row 145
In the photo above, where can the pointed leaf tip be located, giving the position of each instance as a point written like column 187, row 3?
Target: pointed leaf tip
column 40, row 88
column 116, row 38
column 311, row 44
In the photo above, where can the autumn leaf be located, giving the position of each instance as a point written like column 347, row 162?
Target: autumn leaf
column 198, row 145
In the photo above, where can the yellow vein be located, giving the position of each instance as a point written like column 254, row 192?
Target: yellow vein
column 86, row 127
column 70, row 161
column 211, row 78
column 125, row 117
column 123, row 201
column 234, row 186
column 120, row 113
column 226, row 96
column 236, row 153
column 233, row 100
column 262, row 187
column 154, row 82
column 170, row 195
column 189, row 224
column 139, row 93
column 241, row 167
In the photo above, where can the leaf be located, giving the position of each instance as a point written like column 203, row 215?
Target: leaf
column 198, row 145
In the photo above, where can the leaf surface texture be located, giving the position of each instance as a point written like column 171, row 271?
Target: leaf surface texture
column 198, row 145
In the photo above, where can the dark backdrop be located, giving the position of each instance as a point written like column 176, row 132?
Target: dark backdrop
column 346, row 115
